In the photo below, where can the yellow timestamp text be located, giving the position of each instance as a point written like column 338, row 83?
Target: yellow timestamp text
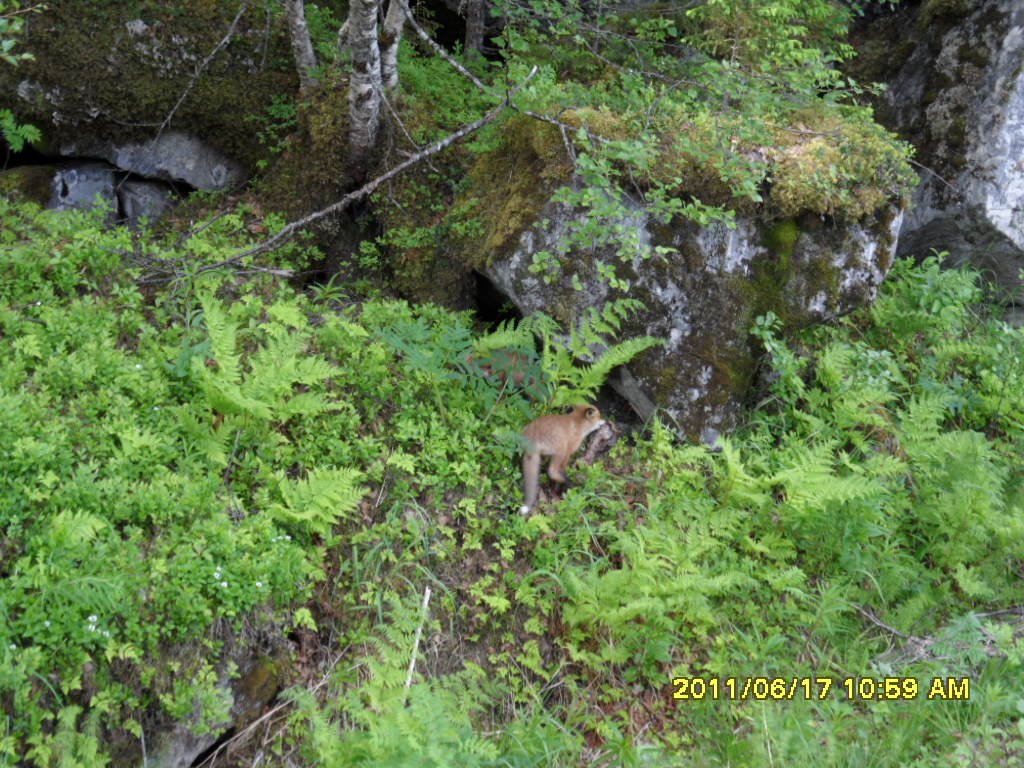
column 866, row 688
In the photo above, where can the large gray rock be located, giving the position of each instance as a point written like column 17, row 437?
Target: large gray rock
column 82, row 185
column 703, row 300
column 144, row 199
column 960, row 97
column 173, row 156
column 259, row 678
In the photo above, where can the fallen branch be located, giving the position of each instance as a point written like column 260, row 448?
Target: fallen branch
column 23, row 11
column 441, row 51
column 288, row 232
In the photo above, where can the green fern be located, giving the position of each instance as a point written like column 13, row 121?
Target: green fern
column 223, row 342
column 508, row 335
column 264, row 388
column 578, row 363
column 320, row 500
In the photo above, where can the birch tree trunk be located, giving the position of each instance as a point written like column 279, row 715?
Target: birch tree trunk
column 365, row 86
column 389, row 40
column 302, row 45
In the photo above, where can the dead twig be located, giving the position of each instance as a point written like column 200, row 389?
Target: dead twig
column 416, row 640
column 266, row 717
column 288, row 232
column 494, row 93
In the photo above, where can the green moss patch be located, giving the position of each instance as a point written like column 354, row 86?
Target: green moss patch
column 510, row 184
column 120, row 68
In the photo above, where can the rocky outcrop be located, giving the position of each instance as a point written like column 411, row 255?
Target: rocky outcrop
column 141, row 199
column 80, row 185
column 703, row 299
column 162, row 95
column 958, row 95
column 257, row 682
column 171, row 156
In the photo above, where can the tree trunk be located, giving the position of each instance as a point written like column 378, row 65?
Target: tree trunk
column 389, row 40
column 476, row 11
column 365, row 84
column 302, row 45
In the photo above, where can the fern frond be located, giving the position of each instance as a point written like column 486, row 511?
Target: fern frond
column 222, row 332
column 73, row 529
column 508, row 335
column 319, row 500
column 228, row 397
column 307, row 404
column 619, row 354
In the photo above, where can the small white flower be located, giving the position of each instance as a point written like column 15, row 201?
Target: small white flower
column 14, row 647
column 287, row 537
column 46, row 623
column 259, row 585
column 106, row 633
column 93, row 619
column 138, row 366
column 216, row 574
column 224, row 584
column 156, row 407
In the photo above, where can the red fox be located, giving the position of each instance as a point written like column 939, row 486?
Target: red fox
column 557, row 437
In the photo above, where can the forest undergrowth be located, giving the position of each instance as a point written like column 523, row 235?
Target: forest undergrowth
column 226, row 456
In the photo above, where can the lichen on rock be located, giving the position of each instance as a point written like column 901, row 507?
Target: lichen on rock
column 959, row 97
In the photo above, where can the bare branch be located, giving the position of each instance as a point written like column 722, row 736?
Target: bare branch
column 485, row 88
column 290, row 231
column 441, row 51
column 368, row 189
column 23, row 11
column 868, row 614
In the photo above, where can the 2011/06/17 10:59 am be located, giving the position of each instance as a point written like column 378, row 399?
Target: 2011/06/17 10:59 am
column 787, row 689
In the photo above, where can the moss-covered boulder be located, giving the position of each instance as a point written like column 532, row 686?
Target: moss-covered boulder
column 703, row 299
column 108, row 78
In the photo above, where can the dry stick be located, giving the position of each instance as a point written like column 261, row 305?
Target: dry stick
column 416, row 641
column 367, row 189
column 441, row 51
column 199, row 70
column 935, row 173
column 879, row 623
column 481, row 86
column 22, row 11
